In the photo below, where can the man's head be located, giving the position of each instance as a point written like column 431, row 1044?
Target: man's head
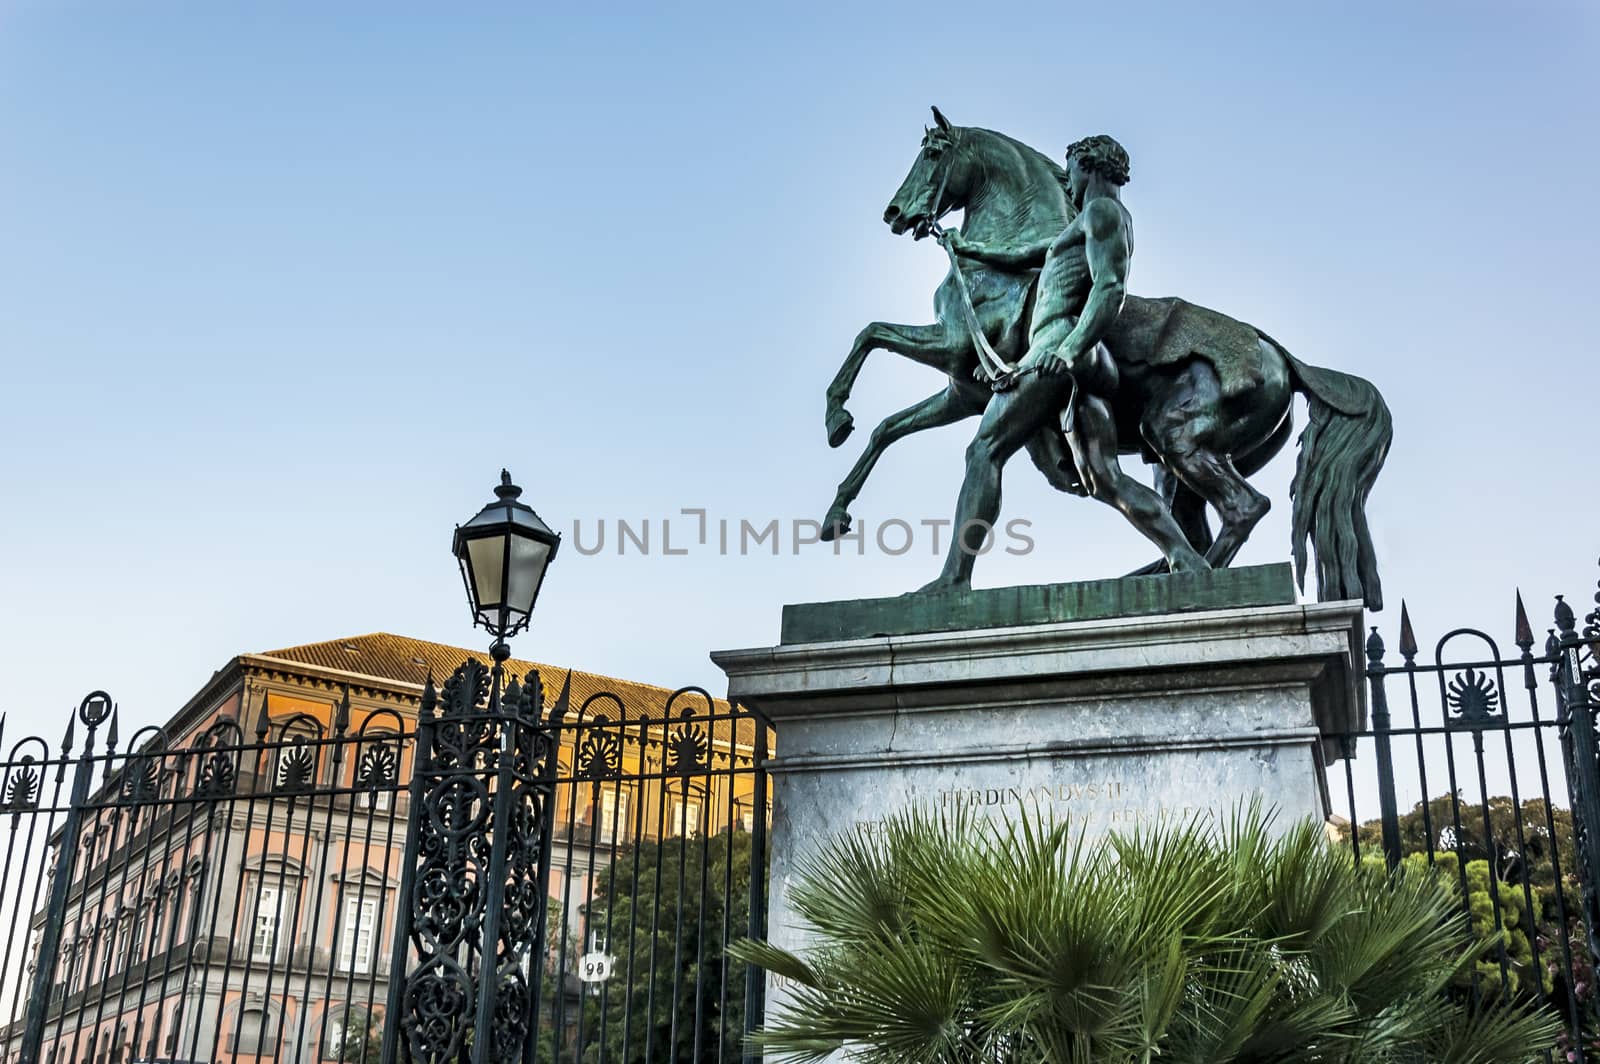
column 1098, row 155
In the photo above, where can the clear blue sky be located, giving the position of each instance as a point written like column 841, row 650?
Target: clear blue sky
column 282, row 286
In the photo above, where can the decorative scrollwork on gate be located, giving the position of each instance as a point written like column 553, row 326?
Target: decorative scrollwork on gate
column 1473, row 700
column 491, row 753
column 217, row 773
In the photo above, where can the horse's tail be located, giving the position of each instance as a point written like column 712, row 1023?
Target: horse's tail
column 1341, row 452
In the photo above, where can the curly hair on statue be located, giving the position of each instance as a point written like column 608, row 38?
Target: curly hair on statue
column 1101, row 155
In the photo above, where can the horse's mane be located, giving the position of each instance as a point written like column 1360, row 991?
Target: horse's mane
column 1055, row 169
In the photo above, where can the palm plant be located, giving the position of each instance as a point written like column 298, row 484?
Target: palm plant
column 947, row 938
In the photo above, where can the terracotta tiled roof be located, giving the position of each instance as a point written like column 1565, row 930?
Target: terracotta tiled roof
column 409, row 661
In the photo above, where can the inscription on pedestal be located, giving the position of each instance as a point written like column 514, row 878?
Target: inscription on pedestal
column 1104, row 805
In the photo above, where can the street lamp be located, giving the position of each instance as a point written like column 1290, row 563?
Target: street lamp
column 504, row 552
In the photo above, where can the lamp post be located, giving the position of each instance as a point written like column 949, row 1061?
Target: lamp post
column 481, row 810
column 504, row 552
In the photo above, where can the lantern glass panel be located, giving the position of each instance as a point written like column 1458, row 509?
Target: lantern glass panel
column 528, row 560
column 487, row 559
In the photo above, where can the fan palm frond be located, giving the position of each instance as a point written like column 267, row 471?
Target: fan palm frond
column 947, row 938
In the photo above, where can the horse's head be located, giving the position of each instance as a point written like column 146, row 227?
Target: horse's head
column 936, row 184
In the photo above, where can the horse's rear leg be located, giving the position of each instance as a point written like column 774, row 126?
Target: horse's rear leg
column 945, row 408
column 1095, row 444
column 1189, row 509
column 945, row 349
column 1241, row 506
column 1192, row 433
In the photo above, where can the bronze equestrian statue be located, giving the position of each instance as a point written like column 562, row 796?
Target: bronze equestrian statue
column 1204, row 397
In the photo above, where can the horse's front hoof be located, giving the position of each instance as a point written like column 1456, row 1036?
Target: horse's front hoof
column 836, row 524
column 1188, row 562
column 840, row 425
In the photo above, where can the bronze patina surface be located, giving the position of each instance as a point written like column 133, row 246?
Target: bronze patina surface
column 1000, row 607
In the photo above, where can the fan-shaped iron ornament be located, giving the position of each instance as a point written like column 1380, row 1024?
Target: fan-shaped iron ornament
column 141, row 781
column 297, row 768
column 378, row 769
column 1473, row 700
column 217, row 776
column 688, row 748
column 600, row 753
column 22, row 789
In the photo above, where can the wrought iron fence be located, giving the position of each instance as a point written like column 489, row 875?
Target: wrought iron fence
column 659, row 861
column 282, row 892
column 1495, row 754
column 222, row 899
column 493, row 879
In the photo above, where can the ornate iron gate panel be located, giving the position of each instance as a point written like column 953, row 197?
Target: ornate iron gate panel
column 1486, row 766
column 478, row 873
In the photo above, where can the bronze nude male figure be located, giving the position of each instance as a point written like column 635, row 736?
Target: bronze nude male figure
column 1080, row 292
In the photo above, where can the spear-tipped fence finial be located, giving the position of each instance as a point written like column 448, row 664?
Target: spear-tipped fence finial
column 430, row 698
column 1408, row 638
column 263, row 722
column 341, row 713
column 563, row 704
column 1524, row 637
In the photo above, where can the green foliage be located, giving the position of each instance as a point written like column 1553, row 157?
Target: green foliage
column 1512, row 953
column 361, row 1039
column 1525, row 842
column 1507, row 961
column 1526, row 845
column 947, row 938
column 671, row 963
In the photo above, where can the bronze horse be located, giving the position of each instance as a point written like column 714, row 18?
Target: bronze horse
column 1012, row 196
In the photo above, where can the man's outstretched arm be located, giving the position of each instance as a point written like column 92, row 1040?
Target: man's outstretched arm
column 1023, row 257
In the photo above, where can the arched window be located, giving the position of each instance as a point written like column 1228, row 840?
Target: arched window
column 173, row 1024
column 353, row 1035
column 253, row 1029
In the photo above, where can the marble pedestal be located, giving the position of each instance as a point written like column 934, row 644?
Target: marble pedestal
column 1115, row 720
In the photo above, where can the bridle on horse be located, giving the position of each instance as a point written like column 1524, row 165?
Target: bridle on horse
column 1002, row 374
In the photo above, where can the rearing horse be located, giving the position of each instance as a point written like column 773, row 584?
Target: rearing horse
column 1204, row 396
